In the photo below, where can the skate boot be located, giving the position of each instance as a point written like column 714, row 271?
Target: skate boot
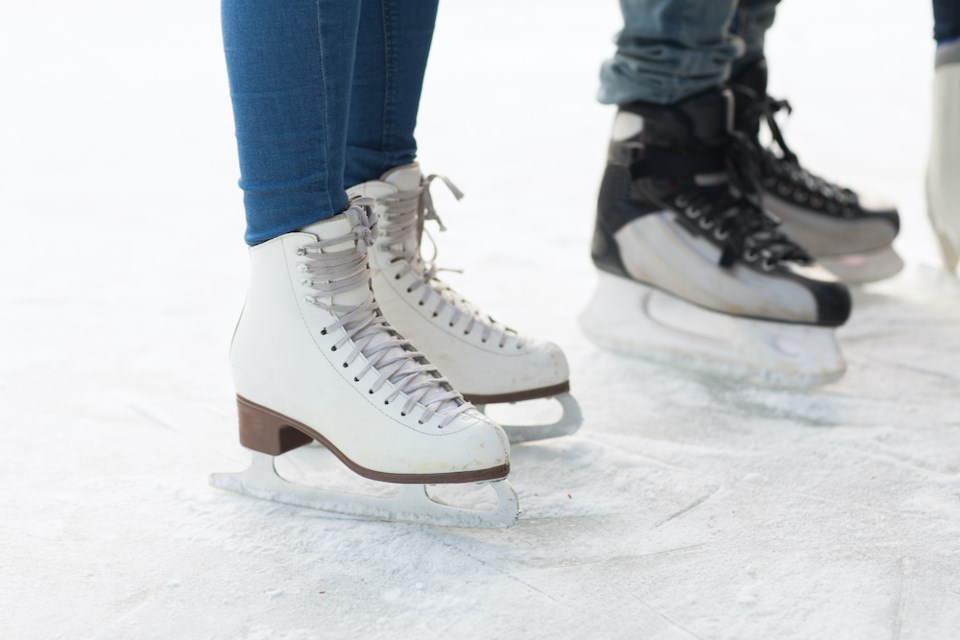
column 943, row 169
column 314, row 359
column 846, row 233
column 486, row 360
column 692, row 271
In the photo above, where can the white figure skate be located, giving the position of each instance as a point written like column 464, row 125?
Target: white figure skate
column 487, row 361
column 943, row 169
column 314, row 359
column 693, row 272
column 849, row 234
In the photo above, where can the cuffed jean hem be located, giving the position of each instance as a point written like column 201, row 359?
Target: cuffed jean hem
column 665, row 73
column 270, row 223
column 364, row 164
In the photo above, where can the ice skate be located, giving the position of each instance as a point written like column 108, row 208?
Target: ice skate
column 484, row 359
column 314, row 359
column 943, row 169
column 693, row 272
column 848, row 234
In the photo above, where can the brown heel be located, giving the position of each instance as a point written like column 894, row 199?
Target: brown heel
column 267, row 432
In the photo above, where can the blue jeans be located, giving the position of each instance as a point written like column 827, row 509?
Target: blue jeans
column 671, row 49
column 946, row 20
column 325, row 95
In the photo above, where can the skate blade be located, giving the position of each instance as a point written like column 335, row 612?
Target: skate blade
column 410, row 504
column 863, row 268
column 631, row 318
column 568, row 423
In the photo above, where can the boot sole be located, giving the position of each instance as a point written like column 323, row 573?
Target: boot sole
column 266, row 431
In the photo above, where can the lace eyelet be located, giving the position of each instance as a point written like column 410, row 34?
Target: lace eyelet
column 333, row 348
column 396, row 277
column 370, row 391
column 403, row 415
column 466, row 333
column 386, row 402
column 692, row 212
column 323, row 332
column 356, row 379
column 301, row 251
column 420, row 304
column 451, row 324
column 419, row 421
column 345, row 365
column 767, row 265
column 750, row 255
column 409, row 290
column 435, row 314
column 680, row 202
column 705, row 224
column 720, row 234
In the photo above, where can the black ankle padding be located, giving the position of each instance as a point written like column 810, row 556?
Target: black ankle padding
column 703, row 118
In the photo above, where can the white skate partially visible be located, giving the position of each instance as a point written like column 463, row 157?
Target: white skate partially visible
column 864, row 267
column 411, row 503
column 633, row 318
column 487, row 361
column 566, row 425
column 943, row 165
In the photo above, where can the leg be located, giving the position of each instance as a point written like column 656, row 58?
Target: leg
column 487, row 361
column 943, row 165
column 848, row 234
column 668, row 50
column 290, row 66
column 692, row 270
column 946, row 20
column 751, row 22
column 313, row 357
column 394, row 42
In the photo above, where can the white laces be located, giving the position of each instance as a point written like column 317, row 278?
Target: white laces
column 403, row 225
column 366, row 332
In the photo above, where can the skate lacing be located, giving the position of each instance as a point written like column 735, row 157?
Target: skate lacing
column 403, row 226
column 728, row 210
column 335, row 272
column 782, row 172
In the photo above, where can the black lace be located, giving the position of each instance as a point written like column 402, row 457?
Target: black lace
column 742, row 227
column 782, row 173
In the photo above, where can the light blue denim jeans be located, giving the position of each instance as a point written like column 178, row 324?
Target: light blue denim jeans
column 671, row 49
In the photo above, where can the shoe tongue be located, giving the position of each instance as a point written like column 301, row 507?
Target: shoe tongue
column 406, row 178
column 336, row 227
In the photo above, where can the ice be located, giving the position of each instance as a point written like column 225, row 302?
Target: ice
column 685, row 508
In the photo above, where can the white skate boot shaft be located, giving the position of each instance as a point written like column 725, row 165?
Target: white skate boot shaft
column 485, row 360
column 313, row 359
column 943, row 168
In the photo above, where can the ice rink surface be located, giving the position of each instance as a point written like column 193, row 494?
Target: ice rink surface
column 685, row 508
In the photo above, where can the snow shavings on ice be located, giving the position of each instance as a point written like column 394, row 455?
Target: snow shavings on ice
column 686, row 508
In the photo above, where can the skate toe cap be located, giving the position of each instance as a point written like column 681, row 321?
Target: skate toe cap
column 482, row 445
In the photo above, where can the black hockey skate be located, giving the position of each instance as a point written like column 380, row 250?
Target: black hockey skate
column 848, row 236
column 693, row 269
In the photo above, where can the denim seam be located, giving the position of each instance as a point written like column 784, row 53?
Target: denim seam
column 326, row 118
column 389, row 77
